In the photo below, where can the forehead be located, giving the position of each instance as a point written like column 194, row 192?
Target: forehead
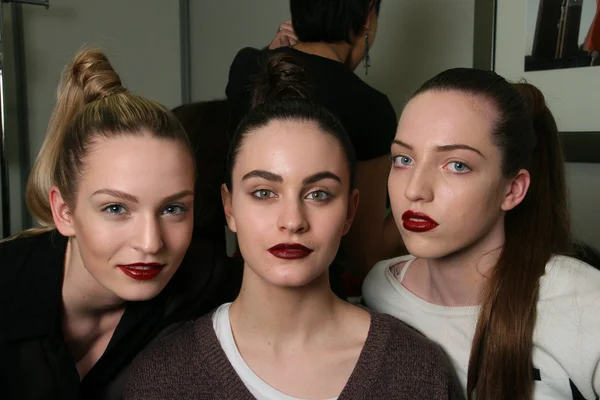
column 446, row 117
column 137, row 164
column 291, row 147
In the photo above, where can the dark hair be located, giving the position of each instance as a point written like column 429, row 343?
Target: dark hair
column 587, row 253
column 500, row 365
column 282, row 92
column 332, row 20
column 205, row 124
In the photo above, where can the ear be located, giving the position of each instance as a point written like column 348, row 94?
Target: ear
column 352, row 207
column 516, row 190
column 371, row 10
column 61, row 213
column 226, row 199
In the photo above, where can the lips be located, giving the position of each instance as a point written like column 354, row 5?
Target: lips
column 290, row 251
column 141, row 271
column 418, row 222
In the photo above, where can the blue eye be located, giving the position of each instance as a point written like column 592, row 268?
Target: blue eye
column 318, row 195
column 402, row 161
column 114, row 209
column 263, row 194
column 458, row 167
column 174, row 209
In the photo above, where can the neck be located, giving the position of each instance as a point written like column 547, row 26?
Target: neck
column 458, row 279
column 339, row 51
column 267, row 313
column 83, row 296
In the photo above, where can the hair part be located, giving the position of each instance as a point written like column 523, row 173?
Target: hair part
column 500, row 364
column 282, row 93
column 91, row 105
column 332, row 20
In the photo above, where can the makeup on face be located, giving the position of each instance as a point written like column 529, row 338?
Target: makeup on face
column 418, row 222
column 290, row 251
column 142, row 271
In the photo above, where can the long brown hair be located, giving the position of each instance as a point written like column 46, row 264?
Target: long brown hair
column 500, row 365
column 91, row 103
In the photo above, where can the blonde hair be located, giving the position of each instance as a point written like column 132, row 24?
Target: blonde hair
column 91, row 104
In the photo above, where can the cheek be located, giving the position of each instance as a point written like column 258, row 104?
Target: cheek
column 97, row 237
column 178, row 235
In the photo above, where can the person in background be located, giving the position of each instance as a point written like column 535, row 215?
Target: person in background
column 334, row 37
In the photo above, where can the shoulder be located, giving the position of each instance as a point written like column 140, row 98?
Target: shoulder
column 410, row 357
column 568, row 322
column 19, row 252
column 178, row 348
column 402, row 339
column 377, row 283
column 567, row 276
column 245, row 61
column 170, row 363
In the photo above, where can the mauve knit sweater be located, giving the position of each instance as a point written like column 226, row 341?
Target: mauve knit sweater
column 396, row 362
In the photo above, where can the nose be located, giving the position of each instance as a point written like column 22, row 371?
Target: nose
column 292, row 217
column 148, row 236
column 419, row 187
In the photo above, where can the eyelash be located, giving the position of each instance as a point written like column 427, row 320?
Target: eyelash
column 400, row 157
column 468, row 169
column 107, row 209
column 270, row 194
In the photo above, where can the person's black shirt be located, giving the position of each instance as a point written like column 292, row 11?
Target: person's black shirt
column 366, row 114
column 34, row 360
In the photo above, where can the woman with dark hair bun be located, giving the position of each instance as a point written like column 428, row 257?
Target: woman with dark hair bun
column 335, row 36
column 289, row 195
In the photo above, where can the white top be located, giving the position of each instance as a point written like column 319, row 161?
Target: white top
column 259, row 388
column 566, row 339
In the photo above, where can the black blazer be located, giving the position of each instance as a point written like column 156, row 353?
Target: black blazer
column 34, row 360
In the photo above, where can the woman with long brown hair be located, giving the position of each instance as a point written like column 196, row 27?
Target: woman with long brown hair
column 478, row 191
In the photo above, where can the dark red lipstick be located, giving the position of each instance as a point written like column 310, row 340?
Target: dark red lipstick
column 418, row 222
column 141, row 271
column 290, row 251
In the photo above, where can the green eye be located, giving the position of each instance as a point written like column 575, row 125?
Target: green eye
column 263, row 194
column 319, row 195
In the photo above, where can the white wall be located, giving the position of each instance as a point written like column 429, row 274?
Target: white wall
column 141, row 38
column 219, row 29
column 416, row 39
column 584, row 190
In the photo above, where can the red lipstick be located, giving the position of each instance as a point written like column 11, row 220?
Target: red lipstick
column 418, row 222
column 141, row 271
column 290, row 251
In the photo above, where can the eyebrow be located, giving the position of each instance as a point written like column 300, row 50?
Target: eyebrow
column 319, row 176
column 448, row 147
column 258, row 173
column 127, row 196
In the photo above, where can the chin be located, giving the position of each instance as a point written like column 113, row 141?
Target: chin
column 139, row 293
column 291, row 277
column 425, row 248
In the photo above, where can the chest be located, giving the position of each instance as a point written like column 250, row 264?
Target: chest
column 305, row 374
